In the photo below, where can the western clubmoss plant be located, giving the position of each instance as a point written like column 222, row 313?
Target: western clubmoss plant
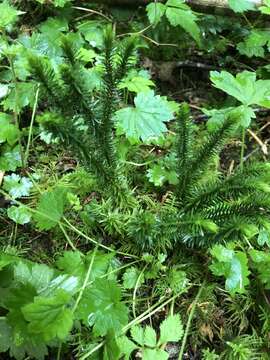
column 200, row 213
column 84, row 119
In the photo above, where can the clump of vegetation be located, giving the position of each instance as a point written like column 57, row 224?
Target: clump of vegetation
column 133, row 224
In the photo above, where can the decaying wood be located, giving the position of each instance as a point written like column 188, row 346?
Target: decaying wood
column 200, row 3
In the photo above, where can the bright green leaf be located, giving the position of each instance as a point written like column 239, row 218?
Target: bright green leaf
column 10, row 158
column 126, row 346
column 50, row 208
column 181, row 14
column 157, row 354
column 255, row 43
column 137, row 334
column 130, row 278
column 5, row 335
column 8, row 131
column 243, row 87
column 241, row 5
column 155, row 11
column 49, row 317
column 171, row 329
column 9, row 14
column 146, row 119
column 20, row 97
column 101, row 305
column 233, row 265
column 19, row 214
column 150, row 337
column 17, row 186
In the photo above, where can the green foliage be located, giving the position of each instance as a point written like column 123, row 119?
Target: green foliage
column 146, row 119
column 265, row 9
column 241, row 5
column 245, row 88
column 101, row 306
column 255, row 44
column 9, row 132
column 146, row 340
column 233, row 266
column 50, row 208
column 178, row 14
column 16, row 186
column 134, row 173
column 9, row 15
column 19, row 214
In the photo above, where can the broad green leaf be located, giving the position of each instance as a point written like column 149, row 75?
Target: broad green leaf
column 130, row 278
column 19, row 214
column 241, row 5
column 233, row 265
column 49, row 317
column 261, row 263
column 86, row 55
column 8, row 132
column 71, row 262
column 155, row 11
column 171, row 329
column 17, row 186
column 56, row 3
column 157, row 354
column 136, row 84
column 9, row 14
column 6, row 259
column 265, row 9
column 61, row 3
column 255, row 43
column 52, row 27
column 101, row 306
column 5, row 335
column 74, row 263
column 242, row 115
column 264, row 237
column 137, row 334
column 50, row 208
column 158, row 174
column 38, row 275
column 4, row 89
column 23, row 343
column 10, row 158
column 92, row 32
column 177, row 280
column 150, row 337
column 243, row 87
column 111, row 348
column 22, row 95
column 180, row 14
column 146, row 119
column 126, row 346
